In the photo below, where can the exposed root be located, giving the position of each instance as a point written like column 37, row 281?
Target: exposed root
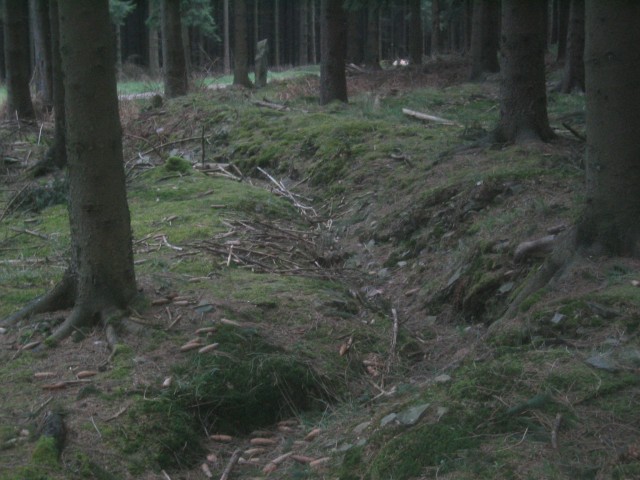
column 61, row 297
column 561, row 257
column 79, row 317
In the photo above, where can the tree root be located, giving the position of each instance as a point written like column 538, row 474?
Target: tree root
column 61, row 297
column 555, row 265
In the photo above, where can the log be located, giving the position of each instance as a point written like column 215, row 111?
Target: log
column 427, row 118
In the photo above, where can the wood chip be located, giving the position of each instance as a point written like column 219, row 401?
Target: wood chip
column 86, row 374
column 302, row 458
column 205, row 469
column 312, row 434
column 160, row 301
column 30, row 345
column 278, row 460
column 233, row 323
column 221, row 438
column 167, row 382
column 190, row 346
column 44, row 375
column 208, row 348
column 205, row 330
column 55, row 386
column 252, row 452
column 319, row 462
column 182, row 303
column 263, row 441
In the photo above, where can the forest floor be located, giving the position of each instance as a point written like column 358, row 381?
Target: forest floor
column 320, row 287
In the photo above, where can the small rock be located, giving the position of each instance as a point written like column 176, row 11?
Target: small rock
column 388, row 419
column 344, row 447
column 411, row 415
column 3, row 330
column 505, row 288
column 402, row 263
column 361, row 442
column 557, row 318
column 441, row 411
column 602, row 361
column 444, row 378
column 361, row 428
column 383, row 273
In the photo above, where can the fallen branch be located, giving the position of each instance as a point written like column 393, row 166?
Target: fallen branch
column 575, row 133
column 284, row 192
column 232, row 462
column 428, row 118
column 274, row 106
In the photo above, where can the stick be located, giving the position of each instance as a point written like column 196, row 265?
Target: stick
column 427, row 117
column 577, row 134
column 202, row 144
column 554, row 431
column 30, row 232
column 394, row 338
column 234, row 459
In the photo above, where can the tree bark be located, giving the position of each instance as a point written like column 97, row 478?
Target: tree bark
column 16, row 52
column 241, row 51
column 523, row 96
column 562, row 26
column 175, row 68
column 276, row 40
column 415, row 34
column 372, row 52
column 485, row 39
column 304, row 32
column 42, row 51
column 612, row 63
column 435, row 27
column 227, row 45
column 333, row 80
column 573, row 75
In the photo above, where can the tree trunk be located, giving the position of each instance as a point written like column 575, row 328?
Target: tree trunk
column 16, row 52
column 485, row 38
column 57, row 154
column 186, row 45
column 573, row 75
column 42, row 51
column 241, row 50
column 333, row 80
column 523, row 95
column 276, row 40
column 314, row 49
column 98, row 210
column 227, row 44
column 415, row 35
column 304, row 32
column 610, row 222
column 435, row 27
column 175, row 67
column 562, row 25
column 154, row 53
column 371, row 54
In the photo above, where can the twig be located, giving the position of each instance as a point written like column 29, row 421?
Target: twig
column 577, row 134
column 173, row 247
column 30, row 232
column 427, row 117
column 11, row 202
column 283, row 191
column 554, row 431
column 394, row 339
column 202, row 145
column 96, row 427
column 166, row 475
column 117, row 414
column 234, row 459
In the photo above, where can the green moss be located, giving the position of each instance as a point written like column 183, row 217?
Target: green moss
column 177, row 164
column 352, row 463
column 45, row 452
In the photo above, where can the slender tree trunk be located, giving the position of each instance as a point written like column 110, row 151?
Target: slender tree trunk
column 58, row 151
column 241, row 51
column 372, row 52
column 314, row 40
column 256, row 26
column 175, row 68
column 573, row 75
column 42, row 50
column 276, row 40
column 186, row 45
column 610, row 222
column 227, row 44
column 523, row 96
column 154, row 51
column 415, row 35
column 304, row 32
column 333, row 80
column 16, row 52
column 98, row 211
column 435, row 27
column 563, row 23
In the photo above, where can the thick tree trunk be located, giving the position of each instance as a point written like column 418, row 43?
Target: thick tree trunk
column 372, row 51
column 175, row 67
column 415, row 34
column 354, row 36
column 485, row 38
column 523, row 95
column 573, row 75
column 241, row 51
column 562, row 26
column 612, row 66
column 98, row 211
column 16, row 52
column 333, row 80
column 42, row 51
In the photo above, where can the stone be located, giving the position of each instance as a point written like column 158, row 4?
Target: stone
column 444, row 378
column 361, row 428
column 411, row 415
column 388, row 419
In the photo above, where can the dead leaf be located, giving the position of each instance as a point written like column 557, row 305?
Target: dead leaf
column 345, row 347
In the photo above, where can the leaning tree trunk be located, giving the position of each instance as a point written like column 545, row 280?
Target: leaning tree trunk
column 16, row 52
column 175, row 68
column 523, row 95
column 241, row 51
column 333, row 80
column 612, row 66
column 573, row 74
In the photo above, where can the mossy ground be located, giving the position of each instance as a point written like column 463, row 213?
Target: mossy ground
column 405, row 225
